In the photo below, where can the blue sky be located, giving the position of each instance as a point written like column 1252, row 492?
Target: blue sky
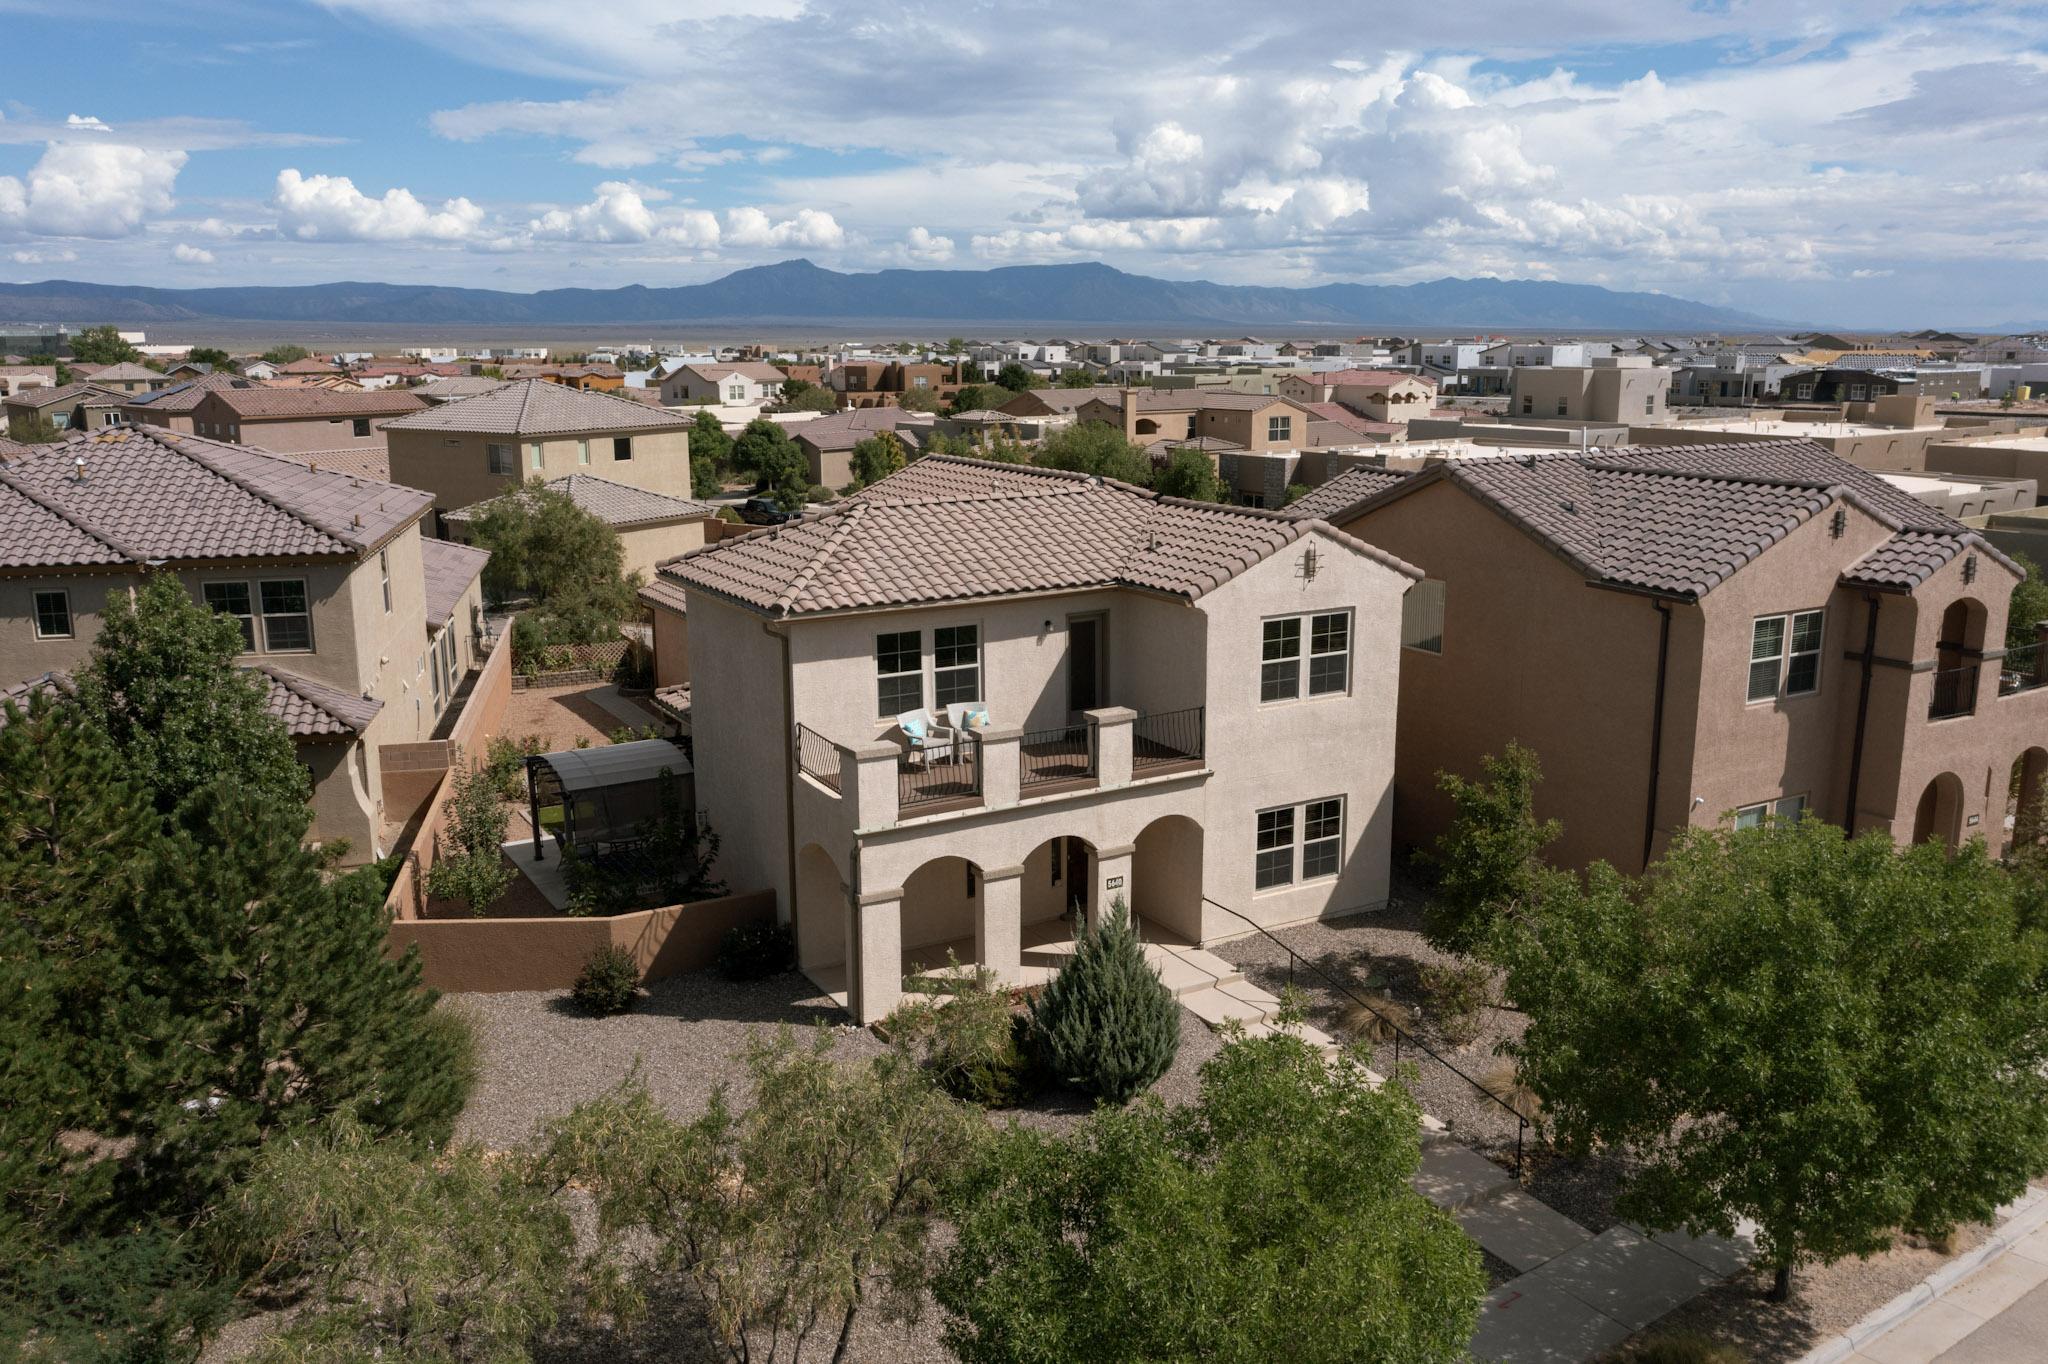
column 1865, row 163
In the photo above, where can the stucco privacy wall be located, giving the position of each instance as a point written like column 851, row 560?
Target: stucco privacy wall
column 495, row 955
column 412, row 771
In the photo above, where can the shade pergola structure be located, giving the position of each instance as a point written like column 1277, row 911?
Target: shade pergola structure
column 607, row 795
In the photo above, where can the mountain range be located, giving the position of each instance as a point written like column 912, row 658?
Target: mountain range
column 799, row 291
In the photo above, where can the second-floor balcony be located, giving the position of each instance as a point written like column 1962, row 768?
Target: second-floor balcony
column 1955, row 692
column 951, row 771
column 2023, row 669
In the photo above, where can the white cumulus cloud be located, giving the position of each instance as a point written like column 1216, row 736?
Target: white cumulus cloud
column 191, row 255
column 331, row 208
column 925, row 247
column 809, row 227
column 102, row 190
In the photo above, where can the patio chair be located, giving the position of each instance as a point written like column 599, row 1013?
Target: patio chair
column 924, row 738
column 963, row 717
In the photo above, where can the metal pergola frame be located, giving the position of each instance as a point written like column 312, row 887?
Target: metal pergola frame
column 603, row 791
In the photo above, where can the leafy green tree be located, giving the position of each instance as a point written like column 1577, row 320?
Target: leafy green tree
column 566, row 558
column 213, row 355
column 1096, row 448
column 163, row 685
column 33, row 430
column 920, row 400
column 841, row 1164
column 801, row 395
column 1076, row 378
column 403, row 1254
column 1269, row 1219
column 876, row 457
column 956, row 345
column 1191, row 473
column 471, row 867
column 102, row 345
column 710, row 455
column 1106, row 1022
column 978, row 398
column 1836, row 1038
column 1489, row 862
column 287, row 354
column 765, row 450
column 1016, row 377
column 2029, row 605
column 1295, row 492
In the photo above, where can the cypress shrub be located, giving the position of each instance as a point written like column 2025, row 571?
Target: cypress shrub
column 1106, row 1022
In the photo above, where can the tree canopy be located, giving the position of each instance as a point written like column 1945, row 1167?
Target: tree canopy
column 102, row 345
column 978, row 398
column 566, row 558
column 1016, row 377
column 876, row 457
column 2029, row 605
column 286, row 354
column 1488, row 862
column 710, row 456
column 1096, row 448
column 212, row 355
column 801, row 395
column 1191, row 473
column 776, row 462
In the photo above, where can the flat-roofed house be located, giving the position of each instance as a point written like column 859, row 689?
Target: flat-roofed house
column 976, row 700
column 361, row 628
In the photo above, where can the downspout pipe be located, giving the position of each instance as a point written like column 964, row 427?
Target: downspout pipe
column 1657, row 729
column 1862, row 712
column 788, row 773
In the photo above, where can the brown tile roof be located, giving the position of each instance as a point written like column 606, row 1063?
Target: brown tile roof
column 1331, row 499
column 1801, row 460
column 309, row 366
column 149, row 494
column 67, row 394
column 1344, row 416
column 314, row 710
column 457, row 386
column 1067, row 399
column 1367, row 378
column 183, row 397
column 449, row 569
column 667, row 595
column 260, row 403
column 1905, row 561
column 948, row 529
column 366, row 461
column 616, row 504
column 12, row 449
column 535, row 407
column 844, row 430
column 127, row 371
column 759, row 372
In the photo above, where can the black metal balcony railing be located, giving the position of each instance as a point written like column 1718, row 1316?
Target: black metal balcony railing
column 817, row 755
column 1045, row 756
column 1955, row 692
column 944, row 770
column 2021, row 670
column 1167, row 738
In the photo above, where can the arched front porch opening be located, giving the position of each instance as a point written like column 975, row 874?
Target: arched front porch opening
column 1059, row 884
column 941, row 902
column 1939, row 816
column 1166, row 877
column 2026, row 816
column 820, row 913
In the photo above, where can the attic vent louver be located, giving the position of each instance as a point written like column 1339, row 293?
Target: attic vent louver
column 1839, row 524
column 1970, row 570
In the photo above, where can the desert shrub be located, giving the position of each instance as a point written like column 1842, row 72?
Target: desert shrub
column 1106, row 1022
column 1457, row 993
column 972, row 1044
column 598, row 889
column 756, row 951
column 818, row 492
column 608, row 983
column 471, row 866
column 1377, row 1019
column 1679, row 1347
column 1504, row 1080
column 505, row 759
column 627, row 734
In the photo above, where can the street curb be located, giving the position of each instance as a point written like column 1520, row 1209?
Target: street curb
column 2027, row 1213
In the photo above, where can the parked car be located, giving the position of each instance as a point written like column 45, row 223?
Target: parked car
column 764, row 511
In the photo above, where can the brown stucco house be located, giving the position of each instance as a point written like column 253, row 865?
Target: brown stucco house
column 290, row 420
column 1685, row 633
column 361, row 628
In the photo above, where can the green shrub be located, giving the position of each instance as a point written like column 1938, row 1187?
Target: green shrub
column 506, row 757
column 608, row 983
column 1106, row 1022
column 1679, row 1347
column 597, row 889
column 972, row 1043
column 1457, row 992
column 756, row 951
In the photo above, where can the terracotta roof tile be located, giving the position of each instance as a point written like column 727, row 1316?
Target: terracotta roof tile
column 185, row 396
column 535, row 407
column 449, row 569
column 616, row 504
column 312, row 709
column 1332, row 499
column 249, row 401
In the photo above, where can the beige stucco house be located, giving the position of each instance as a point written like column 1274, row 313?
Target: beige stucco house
column 746, row 384
column 652, row 527
column 1381, row 395
column 472, row 449
column 1186, row 706
column 1626, row 389
column 294, row 420
column 361, row 628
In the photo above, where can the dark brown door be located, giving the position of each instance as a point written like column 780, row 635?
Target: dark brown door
column 1079, row 882
column 1084, row 663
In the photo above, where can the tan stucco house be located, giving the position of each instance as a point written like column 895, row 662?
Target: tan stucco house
column 361, row 628
column 746, row 384
column 651, row 526
column 293, row 420
column 1184, row 705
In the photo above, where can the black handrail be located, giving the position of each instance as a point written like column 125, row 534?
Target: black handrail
column 1400, row 1034
column 1050, row 755
column 2021, row 670
column 1955, row 693
column 817, row 755
column 1162, row 737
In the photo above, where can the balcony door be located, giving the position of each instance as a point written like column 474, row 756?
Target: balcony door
column 1087, row 687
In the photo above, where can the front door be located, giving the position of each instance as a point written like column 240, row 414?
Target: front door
column 1080, row 885
column 1084, row 663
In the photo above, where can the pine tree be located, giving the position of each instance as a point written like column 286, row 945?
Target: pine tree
column 1106, row 1022
column 262, row 998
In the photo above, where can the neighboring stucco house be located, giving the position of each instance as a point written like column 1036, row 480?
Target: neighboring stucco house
column 472, row 449
column 1625, row 389
column 1381, row 395
column 1681, row 632
column 748, row 384
column 172, row 408
column 828, row 442
column 15, row 378
column 128, row 377
column 1187, row 706
column 82, row 406
column 290, row 420
column 361, row 628
column 651, row 526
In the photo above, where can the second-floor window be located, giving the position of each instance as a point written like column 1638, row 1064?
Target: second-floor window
column 622, row 447
column 899, row 673
column 1279, row 428
column 53, row 615
column 1784, row 655
column 287, row 624
column 360, row 426
column 534, row 455
column 232, row 599
column 503, row 461
column 1784, row 810
column 956, row 664
column 583, row 452
column 1328, row 654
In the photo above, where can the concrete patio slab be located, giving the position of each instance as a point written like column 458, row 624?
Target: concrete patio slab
column 1525, row 1323
column 1519, row 1229
column 545, row 874
column 1627, row 1276
column 1454, row 1175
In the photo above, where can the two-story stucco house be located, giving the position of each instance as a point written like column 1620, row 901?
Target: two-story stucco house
column 472, row 449
column 1185, row 705
column 295, row 420
column 361, row 628
column 1686, row 632
column 748, row 383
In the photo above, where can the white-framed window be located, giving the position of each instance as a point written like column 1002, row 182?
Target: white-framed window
column 287, row 622
column 1322, row 837
column 53, row 614
column 534, row 456
column 1783, row 810
column 232, row 599
column 1784, row 655
column 1858, row 392
column 1422, row 617
column 1803, row 391
column 1273, row 863
column 360, row 426
column 899, row 672
column 583, row 452
column 1279, row 428
column 503, row 458
column 384, row 576
column 1299, row 842
column 1327, row 636
column 956, row 664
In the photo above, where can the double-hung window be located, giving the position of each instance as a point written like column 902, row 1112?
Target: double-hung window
column 287, row 624
column 956, row 664
column 1274, row 865
column 583, row 452
column 1328, row 640
column 1322, row 837
column 503, row 459
column 1783, row 810
column 53, row 615
column 899, row 673
column 1279, row 428
column 232, row 599
column 1784, row 655
column 1312, row 832
column 534, row 455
